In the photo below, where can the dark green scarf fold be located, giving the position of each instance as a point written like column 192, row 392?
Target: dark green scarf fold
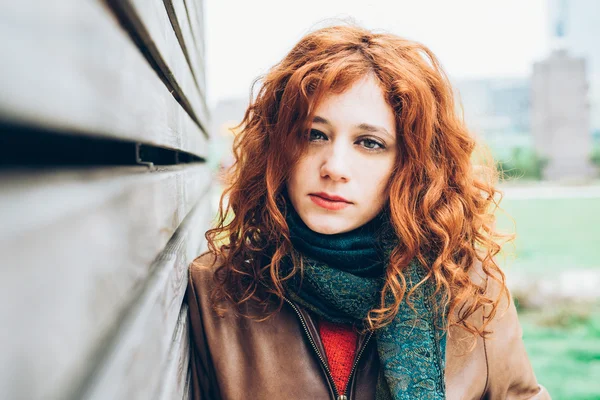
column 342, row 280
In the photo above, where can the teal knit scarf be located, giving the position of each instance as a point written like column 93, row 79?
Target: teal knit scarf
column 343, row 276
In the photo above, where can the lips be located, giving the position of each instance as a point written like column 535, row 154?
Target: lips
column 330, row 197
column 329, row 202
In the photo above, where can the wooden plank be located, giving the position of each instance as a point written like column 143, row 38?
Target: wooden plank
column 196, row 15
column 76, row 250
column 157, row 32
column 140, row 350
column 180, row 19
column 174, row 375
column 70, row 67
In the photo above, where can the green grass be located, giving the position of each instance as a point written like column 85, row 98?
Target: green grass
column 566, row 359
column 563, row 343
column 552, row 234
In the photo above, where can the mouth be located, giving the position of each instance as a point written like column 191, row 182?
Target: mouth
column 329, row 202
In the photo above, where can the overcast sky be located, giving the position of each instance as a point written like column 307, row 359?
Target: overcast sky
column 472, row 38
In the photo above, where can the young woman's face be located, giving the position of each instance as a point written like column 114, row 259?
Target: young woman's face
column 341, row 182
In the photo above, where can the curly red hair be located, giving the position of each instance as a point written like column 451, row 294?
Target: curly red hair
column 440, row 201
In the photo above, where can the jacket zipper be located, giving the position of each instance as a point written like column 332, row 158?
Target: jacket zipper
column 364, row 345
column 314, row 346
column 312, row 342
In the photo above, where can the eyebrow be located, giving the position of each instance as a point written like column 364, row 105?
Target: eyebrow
column 363, row 126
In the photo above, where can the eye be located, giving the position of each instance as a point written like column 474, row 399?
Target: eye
column 371, row 144
column 316, row 135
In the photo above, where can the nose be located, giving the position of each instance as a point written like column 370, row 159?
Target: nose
column 335, row 164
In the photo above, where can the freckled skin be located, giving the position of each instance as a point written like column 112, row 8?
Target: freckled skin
column 346, row 159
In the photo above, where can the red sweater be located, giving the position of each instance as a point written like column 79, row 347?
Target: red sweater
column 340, row 343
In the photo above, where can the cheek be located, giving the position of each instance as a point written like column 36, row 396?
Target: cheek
column 297, row 177
column 376, row 184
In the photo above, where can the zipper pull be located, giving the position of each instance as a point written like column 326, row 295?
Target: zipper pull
column 342, row 397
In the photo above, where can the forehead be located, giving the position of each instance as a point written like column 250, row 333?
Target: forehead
column 362, row 103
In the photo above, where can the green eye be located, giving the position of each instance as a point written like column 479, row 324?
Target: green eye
column 314, row 135
column 371, row 144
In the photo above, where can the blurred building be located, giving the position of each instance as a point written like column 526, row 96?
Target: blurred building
column 562, row 98
column 496, row 105
column 555, row 112
column 561, row 116
column 575, row 26
column 498, row 109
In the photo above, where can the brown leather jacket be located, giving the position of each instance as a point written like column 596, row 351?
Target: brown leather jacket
column 283, row 357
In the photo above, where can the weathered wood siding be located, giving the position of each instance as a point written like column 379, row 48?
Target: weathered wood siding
column 104, row 195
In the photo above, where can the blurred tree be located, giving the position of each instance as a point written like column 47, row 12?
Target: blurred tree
column 523, row 163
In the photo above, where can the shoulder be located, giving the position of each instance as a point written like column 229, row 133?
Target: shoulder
column 202, row 269
column 510, row 374
column 487, row 289
column 206, row 262
column 503, row 322
column 464, row 346
column 201, row 281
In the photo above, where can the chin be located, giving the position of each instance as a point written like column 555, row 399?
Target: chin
column 327, row 225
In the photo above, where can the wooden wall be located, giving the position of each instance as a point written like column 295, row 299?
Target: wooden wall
column 104, row 195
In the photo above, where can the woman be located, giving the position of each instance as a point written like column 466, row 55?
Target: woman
column 355, row 256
